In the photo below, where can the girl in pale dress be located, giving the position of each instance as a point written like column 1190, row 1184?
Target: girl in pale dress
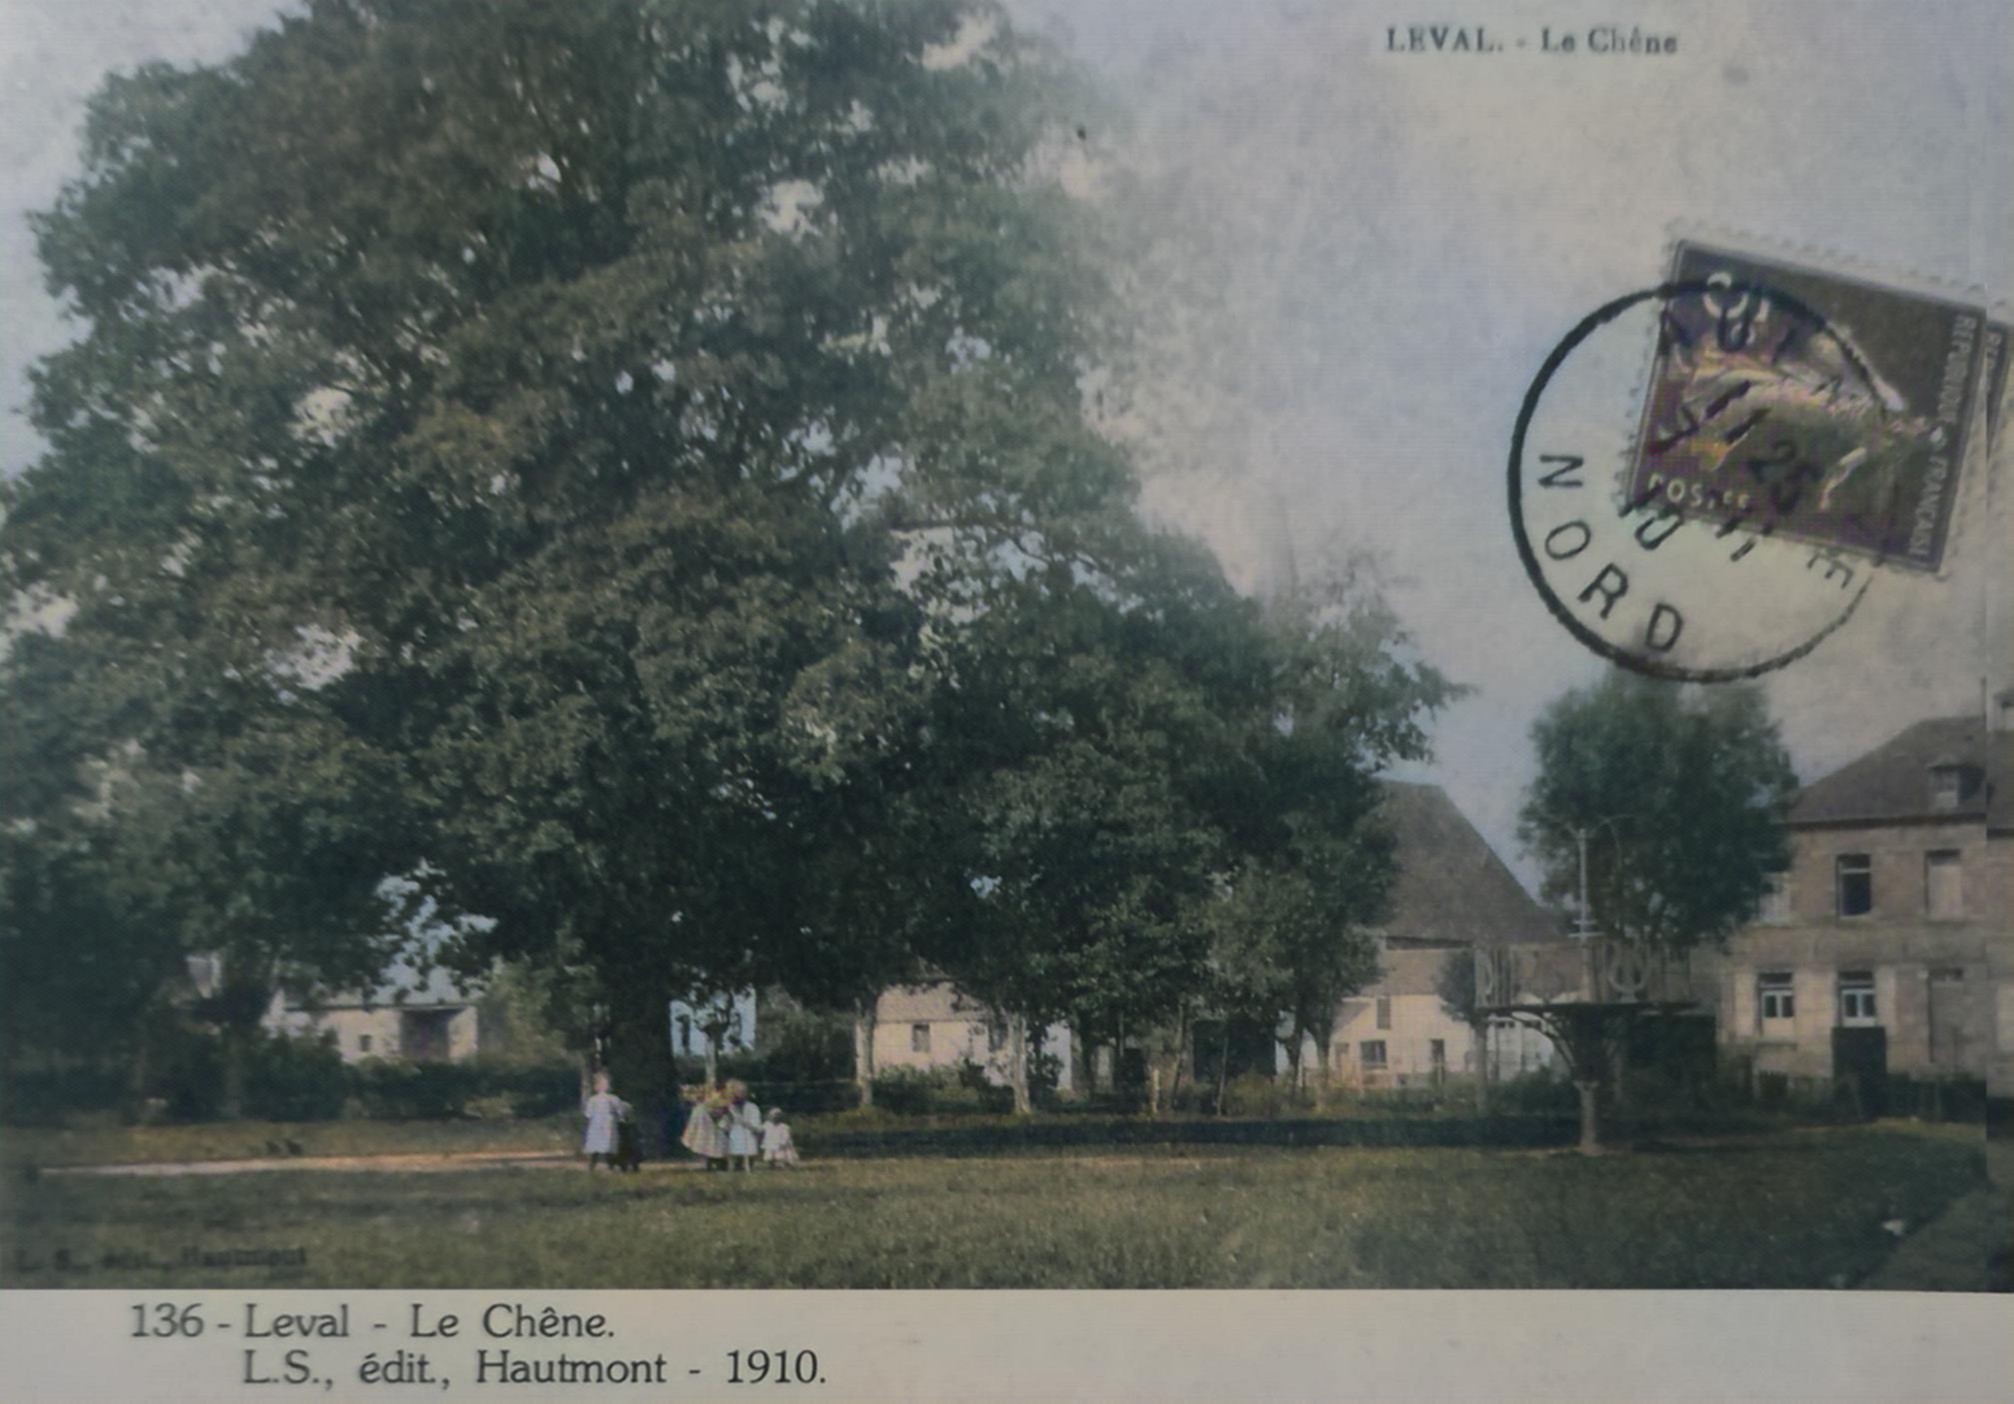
column 744, row 1126
column 604, row 1110
column 705, row 1135
column 777, row 1146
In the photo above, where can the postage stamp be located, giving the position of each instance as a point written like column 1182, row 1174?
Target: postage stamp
column 1993, row 376
column 1803, row 404
column 1793, row 435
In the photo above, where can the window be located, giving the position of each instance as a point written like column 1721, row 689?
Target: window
column 684, row 1033
column 1943, row 885
column 1945, row 784
column 1371, row 1053
column 1855, row 876
column 1774, row 995
column 1856, row 997
column 919, row 1038
column 363, row 1043
column 1384, row 1012
column 1776, row 901
column 996, row 1035
column 1437, row 1053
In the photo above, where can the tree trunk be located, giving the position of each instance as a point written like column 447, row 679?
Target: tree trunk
column 1590, row 1115
column 237, row 1057
column 1324, row 1074
column 1223, row 1065
column 1479, row 1040
column 1017, row 1053
column 134, row 1110
column 712, row 1058
column 863, row 1050
column 1181, row 1054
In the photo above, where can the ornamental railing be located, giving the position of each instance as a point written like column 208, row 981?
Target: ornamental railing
column 1596, row 970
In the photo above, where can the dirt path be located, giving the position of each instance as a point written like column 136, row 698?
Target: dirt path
column 406, row 1163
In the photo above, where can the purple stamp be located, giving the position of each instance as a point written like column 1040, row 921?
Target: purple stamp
column 1810, row 406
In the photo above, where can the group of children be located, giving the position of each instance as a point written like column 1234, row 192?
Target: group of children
column 724, row 1127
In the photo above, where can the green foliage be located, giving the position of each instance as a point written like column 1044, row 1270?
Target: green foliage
column 908, row 1091
column 622, row 465
column 1681, row 794
column 471, row 458
column 295, row 1079
column 800, row 1044
column 403, row 1091
column 1455, row 983
column 517, row 1019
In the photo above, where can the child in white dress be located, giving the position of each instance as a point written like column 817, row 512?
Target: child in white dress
column 604, row 1110
column 777, row 1146
column 744, row 1126
column 705, row 1130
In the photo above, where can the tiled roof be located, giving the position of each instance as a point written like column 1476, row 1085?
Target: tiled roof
column 402, row 988
column 1411, row 972
column 1452, row 889
column 1893, row 782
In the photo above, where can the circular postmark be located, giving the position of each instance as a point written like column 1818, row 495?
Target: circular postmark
column 1726, row 537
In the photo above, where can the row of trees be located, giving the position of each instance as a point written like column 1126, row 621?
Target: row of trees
column 607, row 482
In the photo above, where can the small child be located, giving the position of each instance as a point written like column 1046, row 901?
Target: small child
column 744, row 1125
column 705, row 1134
column 605, row 1111
column 777, row 1146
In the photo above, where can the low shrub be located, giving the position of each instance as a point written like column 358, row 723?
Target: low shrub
column 53, row 1094
column 439, row 1091
column 294, row 1079
column 1961, row 1099
column 906, row 1091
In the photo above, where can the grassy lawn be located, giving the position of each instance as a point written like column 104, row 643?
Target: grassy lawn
column 1796, row 1209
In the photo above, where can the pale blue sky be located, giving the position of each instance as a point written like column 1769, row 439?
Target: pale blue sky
column 1407, row 237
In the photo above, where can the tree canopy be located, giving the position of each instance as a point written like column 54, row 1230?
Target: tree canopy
column 622, row 465
column 1680, row 795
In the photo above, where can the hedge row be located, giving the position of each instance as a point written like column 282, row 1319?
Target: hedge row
column 295, row 1080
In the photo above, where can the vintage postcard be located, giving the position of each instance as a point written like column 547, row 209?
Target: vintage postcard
column 1006, row 699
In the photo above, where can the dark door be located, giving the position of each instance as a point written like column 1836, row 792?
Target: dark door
column 1949, row 1050
column 1860, row 1065
column 423, row 1035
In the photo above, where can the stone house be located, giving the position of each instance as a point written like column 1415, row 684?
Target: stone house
column 1452, row 893
column 934, row 1025
column 417, row 1021
column 1887, row 946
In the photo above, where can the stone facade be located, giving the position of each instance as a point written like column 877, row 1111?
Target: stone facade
column 1894, row 916
column 417, row 1033
column 935, row 1025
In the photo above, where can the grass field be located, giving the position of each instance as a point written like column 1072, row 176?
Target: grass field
column 1793, row 1209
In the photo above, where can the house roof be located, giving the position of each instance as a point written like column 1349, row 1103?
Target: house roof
column 1452, row 889
column 402, row 988
column 1893, row 782
column 1414, row 971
